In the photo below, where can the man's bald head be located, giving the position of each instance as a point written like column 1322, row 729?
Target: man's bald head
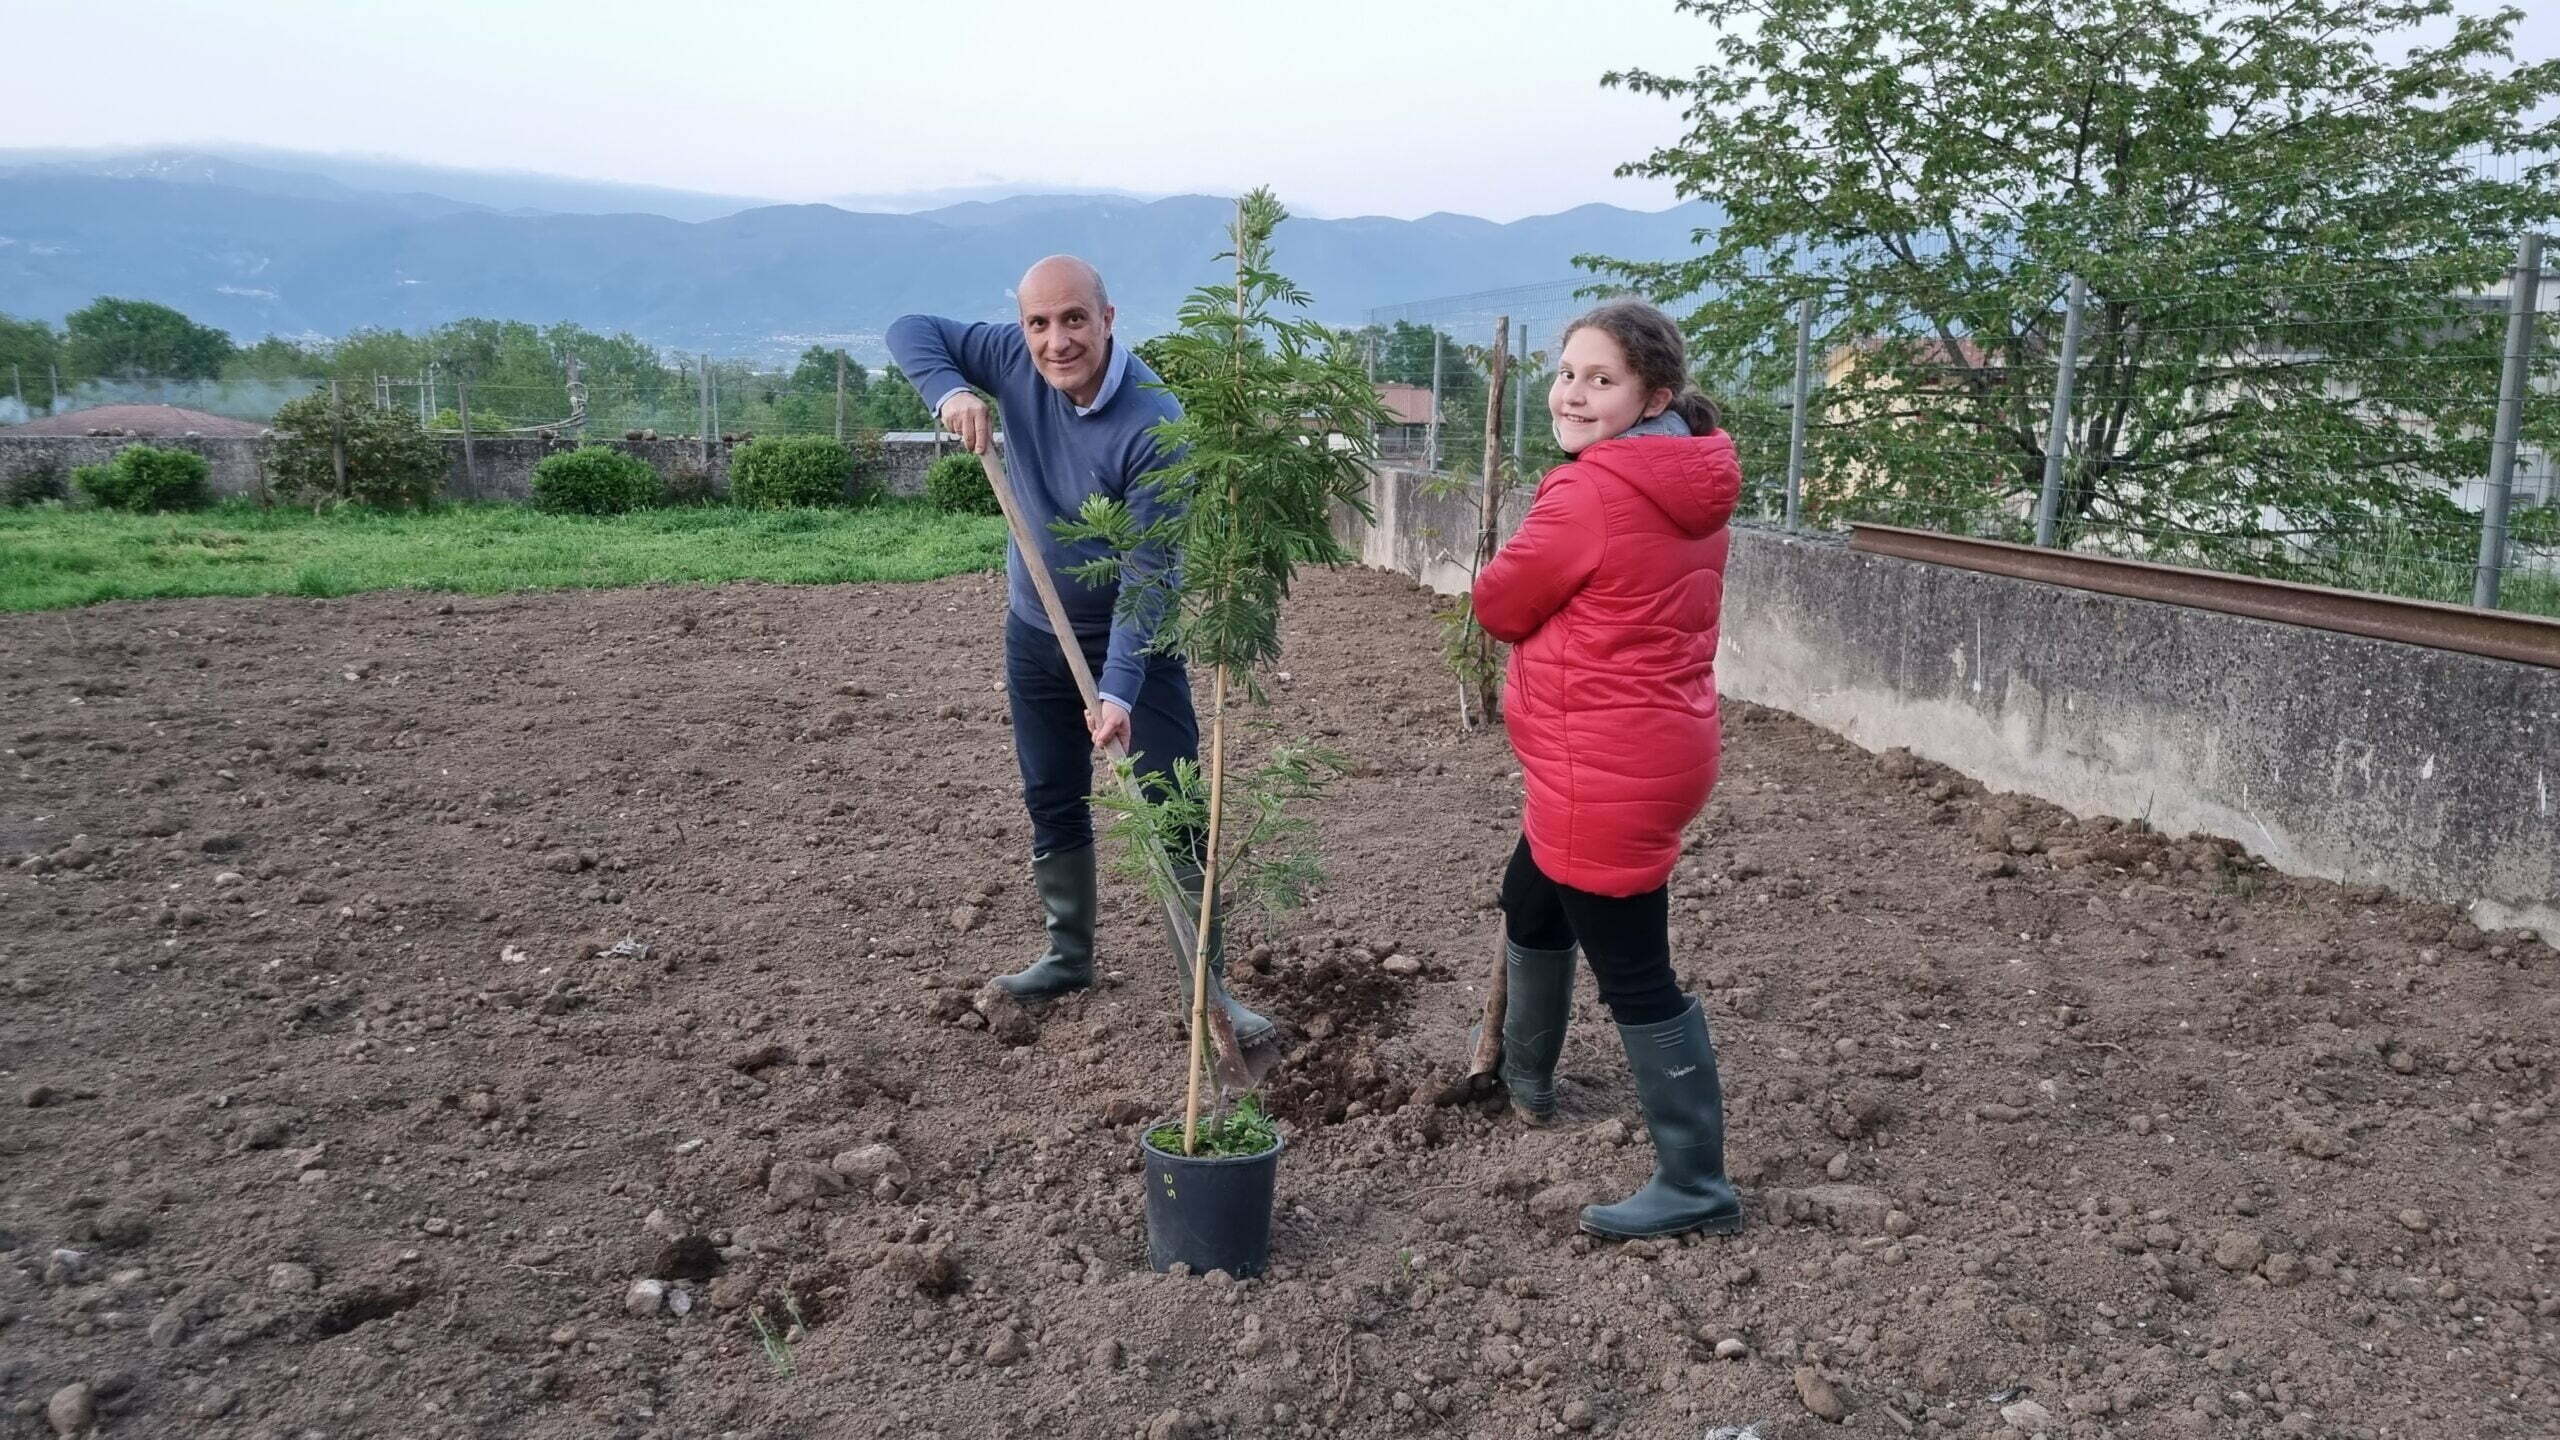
column 1066, row 322
column 1066, row 272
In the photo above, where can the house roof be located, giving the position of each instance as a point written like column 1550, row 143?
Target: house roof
column 155, row 421
column 1407, row 404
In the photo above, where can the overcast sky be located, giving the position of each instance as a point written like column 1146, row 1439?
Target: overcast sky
column 1394, row 107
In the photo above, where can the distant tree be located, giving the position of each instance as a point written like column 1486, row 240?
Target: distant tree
column 2286, row 217
column 389, row 461
column 133, row 339
column 33, row 347
column 275, row 358
column 893, row 404
column 363, row 354
column 816, row 374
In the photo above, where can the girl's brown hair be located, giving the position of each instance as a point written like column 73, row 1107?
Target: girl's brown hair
column 1659, row 355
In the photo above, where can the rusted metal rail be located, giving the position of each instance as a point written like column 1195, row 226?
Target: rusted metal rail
column 2502, row 635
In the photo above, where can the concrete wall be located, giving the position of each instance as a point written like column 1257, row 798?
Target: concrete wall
column 503, row 466
column 2333, row 756
column 234, row 462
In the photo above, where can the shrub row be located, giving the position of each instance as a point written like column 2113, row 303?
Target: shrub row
column 335, row 452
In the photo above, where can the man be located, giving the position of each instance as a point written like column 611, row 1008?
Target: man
column 1079, row 408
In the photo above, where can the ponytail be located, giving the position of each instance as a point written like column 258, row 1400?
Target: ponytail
column 1697, row 411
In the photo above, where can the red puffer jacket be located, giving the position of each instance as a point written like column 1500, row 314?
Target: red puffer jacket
column 1610, row 596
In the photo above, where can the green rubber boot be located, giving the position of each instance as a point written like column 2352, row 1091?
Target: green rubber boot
column 1675, row 1069
column 1070, row 895
column 1252, row 1028
column 1537, row 1006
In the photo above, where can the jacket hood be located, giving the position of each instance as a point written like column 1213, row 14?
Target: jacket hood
column 1695, row 480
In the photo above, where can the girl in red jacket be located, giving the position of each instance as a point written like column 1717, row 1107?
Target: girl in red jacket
column 1609, row 596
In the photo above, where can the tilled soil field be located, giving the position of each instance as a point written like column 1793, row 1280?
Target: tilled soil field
column 552, row 1016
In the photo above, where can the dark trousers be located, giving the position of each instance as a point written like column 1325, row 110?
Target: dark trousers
column 1056, row 750
column 1628, row 941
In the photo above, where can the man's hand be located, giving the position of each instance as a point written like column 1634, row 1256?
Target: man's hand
column 967, row 416
column 1109, row 724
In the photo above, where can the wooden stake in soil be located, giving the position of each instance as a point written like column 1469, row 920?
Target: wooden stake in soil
column 1497, row 997
column 1234, row 1071
column 1208, row 899
column 1489, row 535
column 1497, row 1007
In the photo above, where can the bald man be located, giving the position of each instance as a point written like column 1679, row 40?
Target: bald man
column 1079, row 408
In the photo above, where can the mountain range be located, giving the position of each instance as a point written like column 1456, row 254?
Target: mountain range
column 274, row 243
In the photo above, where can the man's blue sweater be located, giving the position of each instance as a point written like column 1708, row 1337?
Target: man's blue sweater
column 1057, row 456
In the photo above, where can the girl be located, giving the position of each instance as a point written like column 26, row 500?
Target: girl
column 1609, row 596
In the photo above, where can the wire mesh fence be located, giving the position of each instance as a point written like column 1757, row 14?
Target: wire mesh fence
column 2388, row 427
column 688, row 398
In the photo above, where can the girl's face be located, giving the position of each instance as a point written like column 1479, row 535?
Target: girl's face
column 1597, row 395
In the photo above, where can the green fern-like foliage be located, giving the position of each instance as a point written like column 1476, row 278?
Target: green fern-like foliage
column 1274, row 437
column 1275, row 434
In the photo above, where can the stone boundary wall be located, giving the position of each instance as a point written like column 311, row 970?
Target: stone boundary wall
column 2333, row 756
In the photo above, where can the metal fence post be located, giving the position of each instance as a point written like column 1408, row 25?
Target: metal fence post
column 470, row 459
column 2058, row 437
column 1803, row 401
column 2523, row 298
column 337, row 440
column 702, row 425
column 1520, row 400
column 1431, row 449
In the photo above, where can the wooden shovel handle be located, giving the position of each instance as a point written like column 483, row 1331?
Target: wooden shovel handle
column 1233, row 1071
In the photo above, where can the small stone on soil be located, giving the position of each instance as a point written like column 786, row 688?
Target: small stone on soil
column 73, row 1409
column 1818, row 1395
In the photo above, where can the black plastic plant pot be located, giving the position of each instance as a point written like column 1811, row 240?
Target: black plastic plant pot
column 1209, row 1212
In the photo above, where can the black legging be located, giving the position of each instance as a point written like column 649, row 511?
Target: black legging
column 1628, row 940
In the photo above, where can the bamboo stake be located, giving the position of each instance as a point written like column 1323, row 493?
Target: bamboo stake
column 1217, row 797
column 1233, row 1070
column 1208, row 899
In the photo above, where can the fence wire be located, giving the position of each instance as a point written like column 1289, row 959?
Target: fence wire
column 2339, row 430
column 737, row 401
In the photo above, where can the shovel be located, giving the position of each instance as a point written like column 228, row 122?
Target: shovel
column 1237, row 1068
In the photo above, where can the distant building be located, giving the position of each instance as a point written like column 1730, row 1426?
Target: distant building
column 1411, row 412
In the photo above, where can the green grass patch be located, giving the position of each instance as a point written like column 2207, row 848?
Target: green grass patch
column 52, row 557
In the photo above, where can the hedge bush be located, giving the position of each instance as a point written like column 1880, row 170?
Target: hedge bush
column 958, row 484
column 146, row 477
column 594, row 480
column 808, row 470
column 392, row 463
